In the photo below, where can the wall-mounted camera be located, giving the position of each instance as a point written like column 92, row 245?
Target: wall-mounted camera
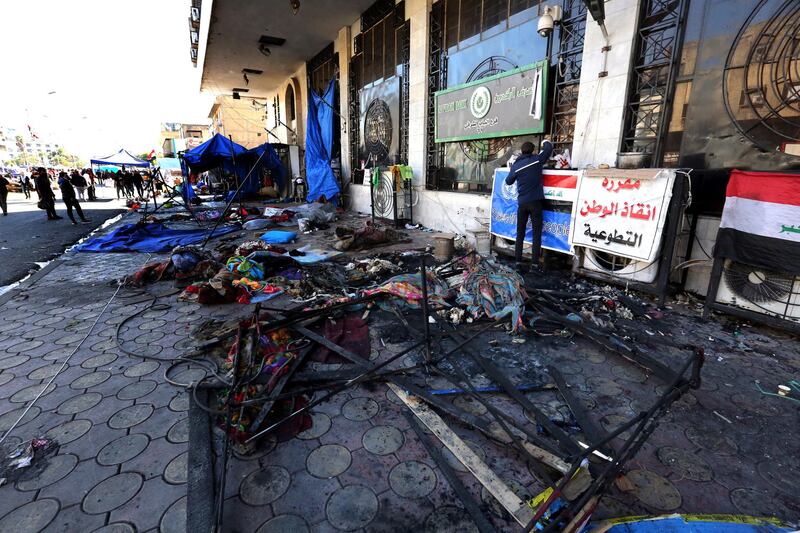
column 548, row 18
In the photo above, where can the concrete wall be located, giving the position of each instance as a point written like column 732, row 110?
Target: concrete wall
column 240, row 120
column 601, row 101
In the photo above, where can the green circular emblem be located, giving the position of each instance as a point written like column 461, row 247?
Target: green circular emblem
column 480, row 102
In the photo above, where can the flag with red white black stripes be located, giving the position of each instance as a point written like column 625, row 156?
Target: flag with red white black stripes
column 761, row 221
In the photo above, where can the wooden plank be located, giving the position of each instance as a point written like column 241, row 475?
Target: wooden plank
column 455, row 483
column 490, row 481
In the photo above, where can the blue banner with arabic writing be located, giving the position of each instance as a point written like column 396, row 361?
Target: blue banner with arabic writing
column 503, row 222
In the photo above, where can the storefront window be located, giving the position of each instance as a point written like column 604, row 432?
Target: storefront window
column 480, row 38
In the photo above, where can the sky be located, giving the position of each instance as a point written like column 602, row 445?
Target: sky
column 98, row 75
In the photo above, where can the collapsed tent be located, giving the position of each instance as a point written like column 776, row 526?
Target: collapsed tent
column 319, row 143
column 264, row 157
column 151, row 238
column 218, row 151
column 122, row 158
column 233, row 158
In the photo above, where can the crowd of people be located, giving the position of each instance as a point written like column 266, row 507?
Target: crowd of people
column 128, row 184
column 75, row 187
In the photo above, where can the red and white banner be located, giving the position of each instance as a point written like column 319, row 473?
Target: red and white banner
column 622, row 211
column 761, row 221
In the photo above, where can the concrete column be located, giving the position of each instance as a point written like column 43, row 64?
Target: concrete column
column 342, row 46
column 417, row 11
column 601, row 101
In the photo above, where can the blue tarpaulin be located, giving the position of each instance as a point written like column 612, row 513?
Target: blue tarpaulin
column 269, row 160
column 319, row 143
column 690, row 524
column 218, row 151
column 155, row 237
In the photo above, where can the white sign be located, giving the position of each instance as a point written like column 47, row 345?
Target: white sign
column 622, row 211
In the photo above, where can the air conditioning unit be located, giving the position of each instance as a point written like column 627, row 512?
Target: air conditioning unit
column 619, row 267
column 760, row 290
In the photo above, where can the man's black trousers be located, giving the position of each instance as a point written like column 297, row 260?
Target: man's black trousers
column 534, row 211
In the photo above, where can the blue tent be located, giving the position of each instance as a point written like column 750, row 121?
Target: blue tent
column 218, row 151
column 122, row 158
column 270, row 160
column 319, row 143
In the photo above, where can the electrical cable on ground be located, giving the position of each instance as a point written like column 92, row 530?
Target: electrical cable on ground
column 63, row 366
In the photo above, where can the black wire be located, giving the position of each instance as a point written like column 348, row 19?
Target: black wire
column 180, row 359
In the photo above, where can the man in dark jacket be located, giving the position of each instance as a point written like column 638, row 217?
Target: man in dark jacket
column 527, row 172
column 47, row 198
column 68, row 195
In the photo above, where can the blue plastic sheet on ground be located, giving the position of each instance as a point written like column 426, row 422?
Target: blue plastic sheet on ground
column 154, row 237
column 278, row 237
column 688, row 524
column 319, row 143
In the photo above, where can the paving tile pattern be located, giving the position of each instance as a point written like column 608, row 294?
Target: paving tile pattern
column 123, row 431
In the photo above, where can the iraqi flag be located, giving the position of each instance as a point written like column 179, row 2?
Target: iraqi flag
column 761, row 221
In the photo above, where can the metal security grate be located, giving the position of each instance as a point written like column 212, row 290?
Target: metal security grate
column 652, row 82
column 568, row 73
column 437, row 79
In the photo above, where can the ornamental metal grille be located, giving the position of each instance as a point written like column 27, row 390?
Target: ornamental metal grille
column 354, row 115
column 437, row 79
column 761, row 82
column 378, row 130
column 652, row 81
column 568, row 73
column 404, row 44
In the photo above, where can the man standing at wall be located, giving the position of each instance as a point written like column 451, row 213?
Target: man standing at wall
column 527, row 172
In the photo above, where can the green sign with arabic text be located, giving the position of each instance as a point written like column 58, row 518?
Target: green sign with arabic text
column 504, row 105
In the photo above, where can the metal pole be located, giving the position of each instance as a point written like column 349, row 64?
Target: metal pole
column 424, row 275
column 235, row 170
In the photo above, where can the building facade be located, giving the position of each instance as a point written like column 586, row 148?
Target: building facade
column 177, row 137
column 20, row 145
column 694, row 84
column 240, row 118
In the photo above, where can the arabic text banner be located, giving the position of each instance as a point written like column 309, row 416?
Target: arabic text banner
column 622, row 211
column 555, row 229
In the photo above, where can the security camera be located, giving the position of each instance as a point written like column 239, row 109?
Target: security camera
column 545, row 26
column 551, row 15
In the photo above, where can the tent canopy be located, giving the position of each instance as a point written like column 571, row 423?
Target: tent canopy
column 218, row 151
column 270, row 160
column 119, row 159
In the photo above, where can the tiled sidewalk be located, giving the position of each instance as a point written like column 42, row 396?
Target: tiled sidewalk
column 123, row 429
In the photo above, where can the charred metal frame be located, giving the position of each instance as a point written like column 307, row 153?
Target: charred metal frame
column 654, row 69
column 568, row 74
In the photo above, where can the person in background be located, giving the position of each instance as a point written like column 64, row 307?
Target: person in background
column 47, row 198
column 117, row 179
column 68, row 195
column 79, row 182
column 25, row 185
column 138, row 182
column 527, row 172
column 4, row 183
